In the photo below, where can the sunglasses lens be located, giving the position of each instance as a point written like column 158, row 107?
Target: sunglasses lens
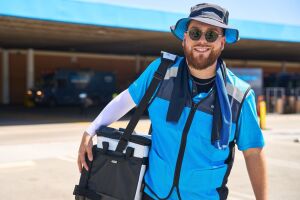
column 211, row 36
column 195, row 34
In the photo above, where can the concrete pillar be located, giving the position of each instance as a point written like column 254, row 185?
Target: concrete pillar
column 5, row 77
column 30, row 69
column 137, row 64
column 283, row 66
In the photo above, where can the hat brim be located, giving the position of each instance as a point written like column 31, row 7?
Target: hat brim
column 231, row 34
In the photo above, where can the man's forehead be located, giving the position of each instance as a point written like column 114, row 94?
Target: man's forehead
column 198, row 24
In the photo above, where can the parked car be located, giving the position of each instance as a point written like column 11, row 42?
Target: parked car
column 74, row 87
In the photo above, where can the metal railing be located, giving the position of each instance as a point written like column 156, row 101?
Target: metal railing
column 282, row 100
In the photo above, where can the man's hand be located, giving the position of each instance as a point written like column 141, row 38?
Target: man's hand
column 257, row 170
column 85, row 148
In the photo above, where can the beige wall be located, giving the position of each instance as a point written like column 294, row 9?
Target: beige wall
column 293, row 69
column 125, row 70
column 1, row 54
column 268, row 67
column 17, row 78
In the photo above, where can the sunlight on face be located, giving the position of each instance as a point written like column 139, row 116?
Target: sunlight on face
column 201, row 54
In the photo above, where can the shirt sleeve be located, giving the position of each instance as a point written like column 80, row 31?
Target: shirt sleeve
column 138, row 88
column 117, row 108
column 249, row 133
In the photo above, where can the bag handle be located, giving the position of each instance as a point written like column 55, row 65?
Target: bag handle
column 167, row 60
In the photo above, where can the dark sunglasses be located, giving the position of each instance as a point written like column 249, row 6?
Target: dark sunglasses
column 210, row 35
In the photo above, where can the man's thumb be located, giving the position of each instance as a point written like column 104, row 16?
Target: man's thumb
column 90, row 154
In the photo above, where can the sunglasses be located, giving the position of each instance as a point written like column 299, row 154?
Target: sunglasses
column 210, row 35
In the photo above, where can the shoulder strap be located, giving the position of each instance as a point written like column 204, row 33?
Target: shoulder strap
column 167, row 60
column 239, row 112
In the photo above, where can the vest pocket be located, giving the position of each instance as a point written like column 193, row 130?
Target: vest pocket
column 199, row 180
column 158, row 176
column 210, row 152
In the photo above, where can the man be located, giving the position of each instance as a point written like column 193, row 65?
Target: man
column 200, row 111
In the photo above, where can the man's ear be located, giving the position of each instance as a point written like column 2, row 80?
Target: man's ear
column 223, row 43
column 184, row 39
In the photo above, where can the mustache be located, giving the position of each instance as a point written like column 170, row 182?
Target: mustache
column 201, row 46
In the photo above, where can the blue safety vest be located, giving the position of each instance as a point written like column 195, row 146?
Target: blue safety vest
column 184, row 164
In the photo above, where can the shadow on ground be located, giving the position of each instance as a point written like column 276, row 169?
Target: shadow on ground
column 20, row 115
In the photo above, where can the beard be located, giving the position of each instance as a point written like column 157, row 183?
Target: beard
column 200, row 61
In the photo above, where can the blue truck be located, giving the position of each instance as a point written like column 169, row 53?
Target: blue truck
column 73, row 87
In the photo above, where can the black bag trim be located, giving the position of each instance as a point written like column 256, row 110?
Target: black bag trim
column 118, row 156
column 91, row 194
column 86, row 193
column 157, row 78
column 116, row 134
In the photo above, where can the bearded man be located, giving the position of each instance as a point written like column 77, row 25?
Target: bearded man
column 199, row 113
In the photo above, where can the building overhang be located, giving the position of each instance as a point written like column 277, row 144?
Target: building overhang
column 48, row 35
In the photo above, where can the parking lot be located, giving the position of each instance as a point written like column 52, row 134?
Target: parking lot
column 38, row 154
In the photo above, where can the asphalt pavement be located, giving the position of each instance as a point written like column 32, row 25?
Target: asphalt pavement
column 38, row 150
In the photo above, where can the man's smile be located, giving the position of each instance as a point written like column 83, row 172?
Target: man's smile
column 201, row 49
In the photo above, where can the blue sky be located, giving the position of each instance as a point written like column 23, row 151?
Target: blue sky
column 272, row 11
column 276, row 20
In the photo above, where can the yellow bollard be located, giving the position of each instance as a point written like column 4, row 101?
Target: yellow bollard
column 28, row 102
column 263, row 112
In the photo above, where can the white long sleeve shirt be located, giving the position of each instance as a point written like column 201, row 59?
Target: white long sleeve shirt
column 113, row 111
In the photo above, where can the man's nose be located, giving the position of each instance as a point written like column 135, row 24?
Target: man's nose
column 202, row 40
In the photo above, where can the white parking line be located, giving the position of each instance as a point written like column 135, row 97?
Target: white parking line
column 278, row 162
column 67, row 158
column 238, row 195
column 37, row 151
column 284, row 163
column 29, row 163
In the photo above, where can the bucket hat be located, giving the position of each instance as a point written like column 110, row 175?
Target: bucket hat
column 208, row 14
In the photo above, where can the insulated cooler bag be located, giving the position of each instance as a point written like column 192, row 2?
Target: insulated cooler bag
column 120, row 156
column 115, row 175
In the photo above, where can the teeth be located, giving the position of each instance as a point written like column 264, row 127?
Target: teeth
column 201, row 49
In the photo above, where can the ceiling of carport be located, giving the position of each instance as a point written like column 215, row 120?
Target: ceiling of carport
column 19, row 33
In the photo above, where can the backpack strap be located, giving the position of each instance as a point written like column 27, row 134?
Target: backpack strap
column 239, row 112
column 223, row 190
column 167, row 60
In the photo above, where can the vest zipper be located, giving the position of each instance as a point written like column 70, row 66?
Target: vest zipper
column 183, row 144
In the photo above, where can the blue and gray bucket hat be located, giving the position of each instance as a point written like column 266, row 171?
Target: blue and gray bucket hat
column 208, row 14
